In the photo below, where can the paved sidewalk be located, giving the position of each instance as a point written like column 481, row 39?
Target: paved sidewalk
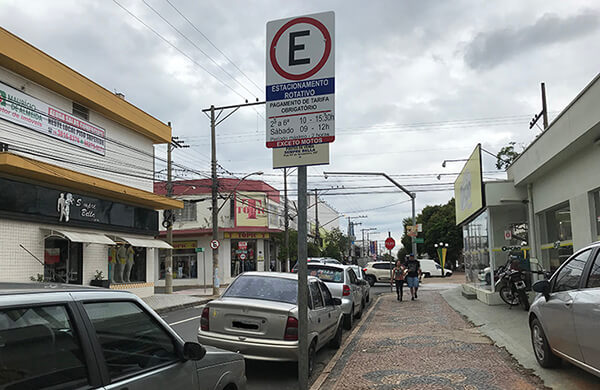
column 423, row 344
column 508, row 328
column 162, row 303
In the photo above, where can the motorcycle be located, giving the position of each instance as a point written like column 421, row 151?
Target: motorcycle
column 512, row 287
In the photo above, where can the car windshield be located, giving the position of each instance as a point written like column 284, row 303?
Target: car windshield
column 267, row 288
column 326, row 274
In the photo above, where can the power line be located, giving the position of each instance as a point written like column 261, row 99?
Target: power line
column 197, row 47
column 179, row 50
column 213, row 45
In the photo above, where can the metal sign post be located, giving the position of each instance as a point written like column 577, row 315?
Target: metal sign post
column 300, row 124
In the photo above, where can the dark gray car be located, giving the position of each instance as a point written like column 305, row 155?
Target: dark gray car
column 69, row 337
column 564, row 318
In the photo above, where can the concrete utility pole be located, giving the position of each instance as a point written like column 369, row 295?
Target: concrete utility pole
column 286, row 224
column 317, row 234
column 412, row 195
column 214, row 122
column 302, row 276
column 544, row 107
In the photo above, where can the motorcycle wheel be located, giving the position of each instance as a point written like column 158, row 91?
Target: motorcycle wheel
column 524, row 300
column 508, row 297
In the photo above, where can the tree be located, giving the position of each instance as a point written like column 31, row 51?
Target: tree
column 336, row 244
column 506, row 156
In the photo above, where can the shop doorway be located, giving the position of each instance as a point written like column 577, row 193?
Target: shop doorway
column 63, row 261
column 243, row 256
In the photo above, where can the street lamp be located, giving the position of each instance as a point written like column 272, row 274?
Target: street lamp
column 215, row 228
column 442, row 249
column 447, row 161
column 412, row 195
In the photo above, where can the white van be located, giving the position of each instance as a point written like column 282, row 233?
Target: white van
column 430, row 268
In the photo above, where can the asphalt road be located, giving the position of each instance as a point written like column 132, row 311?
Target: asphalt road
column 270, row 375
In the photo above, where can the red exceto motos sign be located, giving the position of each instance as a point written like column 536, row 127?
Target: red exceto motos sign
column 27, row 111
column 299, row 142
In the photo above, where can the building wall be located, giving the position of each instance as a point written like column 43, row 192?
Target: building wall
column 117, row 158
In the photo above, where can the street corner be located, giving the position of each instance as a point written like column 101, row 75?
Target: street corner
column 423, row 344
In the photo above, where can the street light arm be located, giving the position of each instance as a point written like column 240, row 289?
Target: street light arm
column 407, row 192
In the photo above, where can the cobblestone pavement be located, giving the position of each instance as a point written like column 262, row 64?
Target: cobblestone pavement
column 424, row 344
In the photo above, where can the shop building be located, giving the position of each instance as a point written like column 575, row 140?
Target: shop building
column 251, row 212
column 76, row 167
column 550, row 205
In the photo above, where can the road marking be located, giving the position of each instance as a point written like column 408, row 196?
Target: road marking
column 327, row 370
column 182, row 321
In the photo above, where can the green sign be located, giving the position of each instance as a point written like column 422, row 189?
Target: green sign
column 199, row 250
column 419, row 240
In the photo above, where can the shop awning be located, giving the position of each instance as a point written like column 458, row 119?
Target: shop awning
column 146, row 242
column 88, row 238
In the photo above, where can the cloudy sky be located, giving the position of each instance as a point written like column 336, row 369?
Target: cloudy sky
column 417, row 82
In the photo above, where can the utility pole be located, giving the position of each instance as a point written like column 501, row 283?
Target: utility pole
column 317, row 234
column 286, row 224
column 168, row 215
column 210, row 112
column 544, row 107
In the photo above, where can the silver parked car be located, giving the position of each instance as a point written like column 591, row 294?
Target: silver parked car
column 362, row 277
column 343, row 284
column 71, row 337
column 258, row 316
column 564, row 318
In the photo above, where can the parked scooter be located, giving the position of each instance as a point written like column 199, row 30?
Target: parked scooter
column 512, row 287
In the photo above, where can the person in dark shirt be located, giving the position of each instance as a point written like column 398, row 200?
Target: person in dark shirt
column 412, row 277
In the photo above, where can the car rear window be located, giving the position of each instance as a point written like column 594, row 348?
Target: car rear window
column 327, row 274
column 267, row 288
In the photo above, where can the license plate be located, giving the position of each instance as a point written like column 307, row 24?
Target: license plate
column 520, row 284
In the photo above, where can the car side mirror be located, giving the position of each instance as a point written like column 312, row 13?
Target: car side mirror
column 542, row 286
column 193, row 351
column 337, row 301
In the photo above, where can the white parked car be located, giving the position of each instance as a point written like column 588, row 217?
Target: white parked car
column 430, row 268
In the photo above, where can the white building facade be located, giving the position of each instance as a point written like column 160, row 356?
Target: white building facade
column 76, row 177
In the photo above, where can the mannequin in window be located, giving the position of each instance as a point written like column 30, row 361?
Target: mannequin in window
column 112, row 262
column 129, row 263
column 121, row 261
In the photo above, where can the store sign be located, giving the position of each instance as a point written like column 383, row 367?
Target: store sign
column 251, row 210
column 243, row 244
column 247, row 235
column 468, row 188
column 26, row 201
column 184, row 245
column 25, row 110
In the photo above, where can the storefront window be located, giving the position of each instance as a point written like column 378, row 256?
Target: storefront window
column 476, row 251
column 243, row 256
column 63, row 261
column 556, row 236
column 126, row 264
column 185, row 264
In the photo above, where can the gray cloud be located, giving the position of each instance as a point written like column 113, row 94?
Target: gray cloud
column 490, row 49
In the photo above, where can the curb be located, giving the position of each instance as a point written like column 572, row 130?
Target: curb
column 168, row 309
column 327, row 370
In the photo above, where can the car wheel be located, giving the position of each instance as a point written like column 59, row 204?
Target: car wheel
column 336, row 341
column 348, row 319
column 448, row 274
column 541, row 348
column 371, row 279
column 427, row 275
column 312, row 354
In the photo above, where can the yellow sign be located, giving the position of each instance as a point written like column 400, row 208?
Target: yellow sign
column 251, row 209
column 184, row 245
column 468, row 188
column 245, row 235
column 293, row 156
column 411, row 231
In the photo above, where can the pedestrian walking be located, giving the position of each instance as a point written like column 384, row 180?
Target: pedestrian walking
column 412, row 277
column 399, row 273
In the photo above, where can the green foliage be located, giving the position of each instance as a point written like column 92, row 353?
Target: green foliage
column 335, row 244
column 438, row 226
column 506, row 156
column 38, row 278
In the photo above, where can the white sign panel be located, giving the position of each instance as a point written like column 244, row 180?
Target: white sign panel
column 32, row 113
column 300, row 81
column 295, row 156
